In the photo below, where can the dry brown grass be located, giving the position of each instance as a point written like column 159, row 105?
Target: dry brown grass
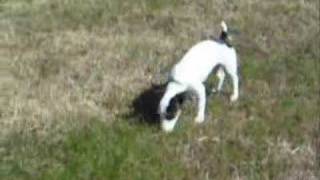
column 69, row 69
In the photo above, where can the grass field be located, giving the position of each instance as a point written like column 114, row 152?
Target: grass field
column 79, row 83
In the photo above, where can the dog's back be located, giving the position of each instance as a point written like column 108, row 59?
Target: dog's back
column 198, row 62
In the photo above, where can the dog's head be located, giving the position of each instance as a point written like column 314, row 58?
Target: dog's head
column 172, row 113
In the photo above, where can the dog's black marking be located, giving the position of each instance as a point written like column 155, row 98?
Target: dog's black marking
column 174, row 105
column 224, row 37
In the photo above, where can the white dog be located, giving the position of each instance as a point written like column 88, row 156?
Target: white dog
column 192, row 71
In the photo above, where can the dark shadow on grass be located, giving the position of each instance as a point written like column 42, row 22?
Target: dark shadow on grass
column 145, row 105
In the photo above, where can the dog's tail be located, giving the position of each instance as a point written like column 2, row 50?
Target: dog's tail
column 224, row 27
column 224, row 36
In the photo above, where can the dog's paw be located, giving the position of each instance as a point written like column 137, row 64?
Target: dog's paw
column 167, row 125
column 233, row 98
column 199, row 119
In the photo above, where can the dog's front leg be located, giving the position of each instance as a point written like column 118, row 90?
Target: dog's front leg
column 201, row 95
column 221, row 75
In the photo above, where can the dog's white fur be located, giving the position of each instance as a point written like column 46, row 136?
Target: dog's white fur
column 193, row 69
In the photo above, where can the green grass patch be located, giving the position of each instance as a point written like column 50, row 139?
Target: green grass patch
column 120, row 151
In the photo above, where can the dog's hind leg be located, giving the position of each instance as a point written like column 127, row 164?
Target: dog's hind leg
column 232, row 70
column 235, row 93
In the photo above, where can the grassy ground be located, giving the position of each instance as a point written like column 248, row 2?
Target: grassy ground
column 77, row 76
